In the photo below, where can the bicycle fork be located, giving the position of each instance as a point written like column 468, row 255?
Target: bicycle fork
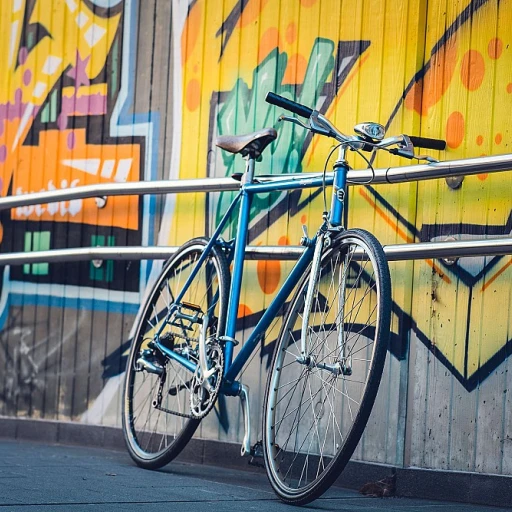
column 313, row 279
column 343, row 366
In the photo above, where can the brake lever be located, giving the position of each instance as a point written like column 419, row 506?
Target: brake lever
column 409, row 147
column 427, row 158
column 294, row 120
column 406, row 150
column 405, row 153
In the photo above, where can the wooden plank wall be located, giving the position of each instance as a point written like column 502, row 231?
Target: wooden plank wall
column 140, row 90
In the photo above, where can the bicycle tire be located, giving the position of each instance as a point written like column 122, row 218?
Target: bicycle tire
column 308, row 438
column 163, row 436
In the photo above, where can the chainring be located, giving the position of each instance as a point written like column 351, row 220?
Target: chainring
column 204, row 392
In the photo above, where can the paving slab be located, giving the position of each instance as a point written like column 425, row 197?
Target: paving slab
column 39, row 477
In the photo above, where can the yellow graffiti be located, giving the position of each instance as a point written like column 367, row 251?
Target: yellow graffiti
column 74, row 43
column 452, row 82
column 468, row 103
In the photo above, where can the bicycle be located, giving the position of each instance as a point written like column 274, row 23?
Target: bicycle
column 328, row 358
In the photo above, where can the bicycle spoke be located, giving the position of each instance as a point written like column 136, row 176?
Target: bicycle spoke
column 153, row 423
column 314, row 414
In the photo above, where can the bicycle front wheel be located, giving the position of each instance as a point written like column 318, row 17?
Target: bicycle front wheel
column 318, row 402
column 157, row 420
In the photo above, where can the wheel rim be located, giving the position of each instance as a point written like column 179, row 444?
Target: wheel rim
column 314, row 416
column 152, row 432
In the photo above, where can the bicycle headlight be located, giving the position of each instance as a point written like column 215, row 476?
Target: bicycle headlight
column 374, row 131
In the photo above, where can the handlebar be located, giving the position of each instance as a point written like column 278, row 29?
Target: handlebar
column 292, row 106
column 428, row 143
column 317, row 123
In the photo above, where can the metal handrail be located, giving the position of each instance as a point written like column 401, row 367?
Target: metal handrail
column 469, row 166
column 134, row 188
column 398, row 252
column 482, row 247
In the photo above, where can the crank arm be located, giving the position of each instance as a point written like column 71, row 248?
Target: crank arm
column 244, row 400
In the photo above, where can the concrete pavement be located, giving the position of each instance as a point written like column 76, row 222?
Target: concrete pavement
column 39, row 477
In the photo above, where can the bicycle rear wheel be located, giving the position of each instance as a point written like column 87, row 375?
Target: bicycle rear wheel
column 317, row 405
column 154, row 435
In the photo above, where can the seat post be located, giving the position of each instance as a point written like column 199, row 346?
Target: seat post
column 250, row 165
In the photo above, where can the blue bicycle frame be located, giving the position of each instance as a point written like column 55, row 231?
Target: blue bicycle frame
column 248, row 188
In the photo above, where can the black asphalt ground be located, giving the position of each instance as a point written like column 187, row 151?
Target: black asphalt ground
column 38, row 477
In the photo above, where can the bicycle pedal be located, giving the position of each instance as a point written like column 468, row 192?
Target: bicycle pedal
column 182, row 325
column 189, row 313
column 195, row 318
column 191, row 307
column 257, row 455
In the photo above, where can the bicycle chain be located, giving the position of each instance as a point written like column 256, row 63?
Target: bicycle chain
column 183, row 337
column 163, row 409
column 160, row 388
column 175, row 413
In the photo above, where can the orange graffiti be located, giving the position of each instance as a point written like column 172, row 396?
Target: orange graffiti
column 268, row 42
column 243, row 310
column 291, row 33
column 193, row 94
column 428, row 91
column 472, row 70
column 296, row 70
column 269, row 275
column 455, row 130
column 68, row 162
column 495, row 48
column 495, row 276
column 65, row 158
column 191, row 31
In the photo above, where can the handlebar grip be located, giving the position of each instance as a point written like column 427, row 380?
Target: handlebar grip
column 426, row 143
column 296, row 108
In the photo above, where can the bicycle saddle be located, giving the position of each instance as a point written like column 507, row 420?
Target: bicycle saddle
column 251, row 144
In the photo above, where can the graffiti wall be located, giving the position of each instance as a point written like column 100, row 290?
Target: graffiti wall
column 115, row 91
column 66, row 91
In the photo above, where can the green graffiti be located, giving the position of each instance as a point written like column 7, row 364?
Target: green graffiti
column 37, row 241
column 245, row 111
